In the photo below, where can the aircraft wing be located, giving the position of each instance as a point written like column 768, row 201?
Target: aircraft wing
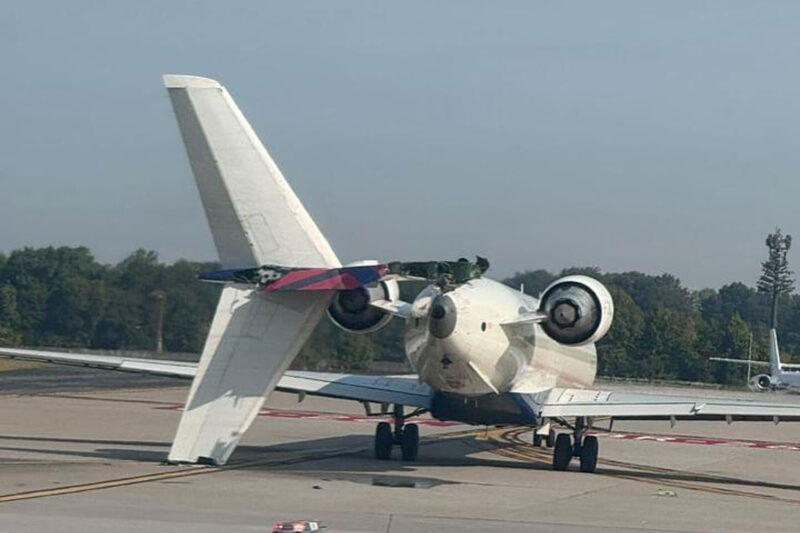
column 156, row 367
column 563, row 403
column 740, row 361
column 404, row 389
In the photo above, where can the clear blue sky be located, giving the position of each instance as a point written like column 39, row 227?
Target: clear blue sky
column 653, row 136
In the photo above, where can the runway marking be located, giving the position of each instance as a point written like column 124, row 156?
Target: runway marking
column 99, row 398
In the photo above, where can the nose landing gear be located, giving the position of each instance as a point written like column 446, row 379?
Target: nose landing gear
column 404, row 435
column 584, row 447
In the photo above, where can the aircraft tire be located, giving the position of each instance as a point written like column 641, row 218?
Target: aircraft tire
column 383, row 441
column 537, row 439
column 409, row 442
column 562, row 454
column 589, row 451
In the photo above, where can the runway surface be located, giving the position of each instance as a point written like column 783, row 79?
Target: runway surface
column 78, row 458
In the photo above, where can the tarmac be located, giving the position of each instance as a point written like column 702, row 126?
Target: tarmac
column 82, row 451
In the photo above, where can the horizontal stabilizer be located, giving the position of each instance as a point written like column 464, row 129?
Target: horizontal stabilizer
column 273, row 277
column 279, row 278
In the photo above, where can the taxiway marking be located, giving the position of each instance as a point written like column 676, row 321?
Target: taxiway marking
column 509, row 443
column 195, row 470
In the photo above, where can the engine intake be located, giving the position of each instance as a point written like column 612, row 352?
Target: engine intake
column 351, row 309
column 579, row 310
column 761, row 383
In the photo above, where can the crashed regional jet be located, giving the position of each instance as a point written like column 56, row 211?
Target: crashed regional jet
column 484, row 353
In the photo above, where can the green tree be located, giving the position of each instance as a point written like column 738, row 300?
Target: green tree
column 532, row 281
column 776, row 278
column 9, row 316
column 618, row 353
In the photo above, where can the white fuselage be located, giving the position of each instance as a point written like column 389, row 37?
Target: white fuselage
column 787, row 380
column 471, row 354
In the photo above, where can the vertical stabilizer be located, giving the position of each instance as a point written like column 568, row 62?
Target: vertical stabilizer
column 774, row 354
column 255, row 219
column 254, row 215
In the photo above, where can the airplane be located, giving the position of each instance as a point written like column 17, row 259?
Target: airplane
column 484, row 353
column 782, row 376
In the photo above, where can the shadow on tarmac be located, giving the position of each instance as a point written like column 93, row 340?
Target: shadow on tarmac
column 353, row 459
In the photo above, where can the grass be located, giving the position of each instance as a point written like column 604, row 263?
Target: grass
column 16, row 364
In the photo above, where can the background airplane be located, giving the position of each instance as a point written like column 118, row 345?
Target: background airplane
column 782, row 376
column 484, row 353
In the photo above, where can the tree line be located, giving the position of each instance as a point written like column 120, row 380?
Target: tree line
column 63, row 297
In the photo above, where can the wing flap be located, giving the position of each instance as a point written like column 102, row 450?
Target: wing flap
column 592, row 403
column 403, row 390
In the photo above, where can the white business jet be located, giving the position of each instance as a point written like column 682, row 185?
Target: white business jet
column 484, row 353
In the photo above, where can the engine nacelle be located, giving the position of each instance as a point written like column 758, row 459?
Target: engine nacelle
column 761, row 383
column 351, row 309
column 579, row 310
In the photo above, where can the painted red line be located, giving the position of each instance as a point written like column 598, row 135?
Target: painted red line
column 321, row 415
column 703, row 441
column 640, row 437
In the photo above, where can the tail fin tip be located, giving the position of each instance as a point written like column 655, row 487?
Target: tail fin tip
column 185, row 81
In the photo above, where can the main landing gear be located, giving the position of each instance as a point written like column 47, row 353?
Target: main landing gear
column 546, row 435
column 580, row 445
column 404, row 435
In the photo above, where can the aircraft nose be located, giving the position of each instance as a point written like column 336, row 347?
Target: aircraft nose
column 443, row 317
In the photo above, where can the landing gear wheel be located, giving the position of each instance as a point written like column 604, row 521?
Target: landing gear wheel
column 383, row 441
column 562, row 454
column 588, row 455
column 551, row 438
column 537, row 439
column 409, row 442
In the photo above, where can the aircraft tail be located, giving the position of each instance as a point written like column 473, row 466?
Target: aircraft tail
column 255, row 219
column 774, row 354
